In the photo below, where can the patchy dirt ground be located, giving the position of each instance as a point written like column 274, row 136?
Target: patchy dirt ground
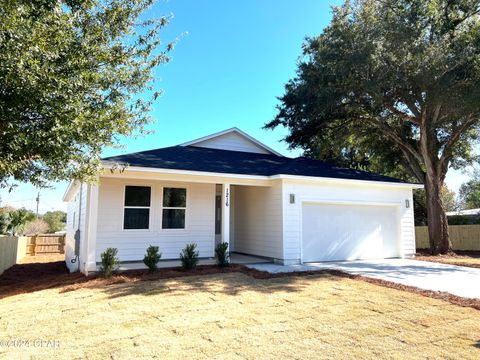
column 234, row 315
column 460, row 258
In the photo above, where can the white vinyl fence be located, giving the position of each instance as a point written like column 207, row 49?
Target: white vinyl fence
column 12, row 250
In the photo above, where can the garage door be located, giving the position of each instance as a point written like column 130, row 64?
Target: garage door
column 349, row 232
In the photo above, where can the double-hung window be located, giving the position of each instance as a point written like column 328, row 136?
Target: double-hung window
column 174, row 208
column 136, row 210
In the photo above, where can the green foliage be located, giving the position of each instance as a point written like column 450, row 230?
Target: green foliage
column 377, row 75
column 391, row 86
column 464, row 220
column 469, row 193
column 189, row 256
column 75, row 76
column 56, row 220
column 152, row 257
column 18, row 219
column 420, row 207
column 4, row 222
column 109, row 261
column 449, row 199
column 380, row 75
column 221, row 254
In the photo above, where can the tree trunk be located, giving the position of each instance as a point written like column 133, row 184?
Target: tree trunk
column 436, row 216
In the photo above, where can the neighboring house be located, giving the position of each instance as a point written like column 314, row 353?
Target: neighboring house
column 230, row 187
column 469, row 212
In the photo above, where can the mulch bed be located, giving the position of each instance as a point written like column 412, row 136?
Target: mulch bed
column 26, row 278
column 450, row 259
column 453, row 254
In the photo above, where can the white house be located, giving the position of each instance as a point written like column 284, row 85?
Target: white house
column 230, row 187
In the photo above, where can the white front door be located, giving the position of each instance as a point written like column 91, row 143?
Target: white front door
column 347, row 232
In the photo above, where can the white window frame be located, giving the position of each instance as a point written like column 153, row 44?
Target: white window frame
column 185, row 227
column 137, row 207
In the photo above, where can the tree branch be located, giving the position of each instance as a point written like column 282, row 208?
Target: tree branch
column 413, row 108
column 400, row 113
column 436, row 114
column 448, row 148
column 387, row 130
column 412, row 166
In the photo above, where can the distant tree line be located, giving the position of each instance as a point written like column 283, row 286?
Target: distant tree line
column 24, row 222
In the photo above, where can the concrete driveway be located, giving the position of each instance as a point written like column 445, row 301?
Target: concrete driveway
column 456, row 280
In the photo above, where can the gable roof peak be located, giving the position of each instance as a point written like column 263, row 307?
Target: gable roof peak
column 203, row 141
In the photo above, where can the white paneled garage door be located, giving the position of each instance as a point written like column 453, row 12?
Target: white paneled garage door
column 348, row 232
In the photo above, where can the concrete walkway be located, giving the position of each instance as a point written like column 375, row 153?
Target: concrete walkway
column 456, row 280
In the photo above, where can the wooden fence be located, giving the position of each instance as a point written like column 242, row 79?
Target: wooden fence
column 12, row 250
column 463, row 237
column 46, row 244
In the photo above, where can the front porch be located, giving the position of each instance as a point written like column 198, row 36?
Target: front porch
column 235, row 258
column 245, row 215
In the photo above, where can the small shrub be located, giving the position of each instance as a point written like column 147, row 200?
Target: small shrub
column 109, row 261
column 189, row 256
column 221, row 254
column 152, row 257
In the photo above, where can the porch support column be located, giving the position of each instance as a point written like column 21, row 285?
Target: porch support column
column 226, row 214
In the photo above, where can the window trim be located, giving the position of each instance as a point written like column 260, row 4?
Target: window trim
column 122, row 225
column 187, row 191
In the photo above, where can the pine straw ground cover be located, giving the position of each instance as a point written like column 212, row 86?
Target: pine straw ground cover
column 460, row 258
column 235, row 315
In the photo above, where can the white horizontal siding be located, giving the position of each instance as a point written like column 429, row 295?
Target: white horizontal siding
column 292, row 221
column 132, row 244
column 232, row 141
column 76, row 217
column 258, row 220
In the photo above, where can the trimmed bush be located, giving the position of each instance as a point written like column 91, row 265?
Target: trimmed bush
column 152, row 257
column 189, row 256
column 109, row 261
column 222, row 255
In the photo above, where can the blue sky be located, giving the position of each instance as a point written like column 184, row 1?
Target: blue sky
column 230, row 64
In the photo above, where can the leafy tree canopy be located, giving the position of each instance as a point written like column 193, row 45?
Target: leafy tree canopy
column 55, row 219
column 392, row 86
column 4, row 221
column 18, row 219
column 469, row 193
column 71, row 75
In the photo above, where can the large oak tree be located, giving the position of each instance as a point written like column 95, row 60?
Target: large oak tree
column 75, row 75
column 392, row 85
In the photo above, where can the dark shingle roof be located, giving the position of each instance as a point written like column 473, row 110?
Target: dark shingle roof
column 235, row 162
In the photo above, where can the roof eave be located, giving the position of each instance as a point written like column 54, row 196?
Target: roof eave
column 71, row 189
column 324, row 179
column 268, row 177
